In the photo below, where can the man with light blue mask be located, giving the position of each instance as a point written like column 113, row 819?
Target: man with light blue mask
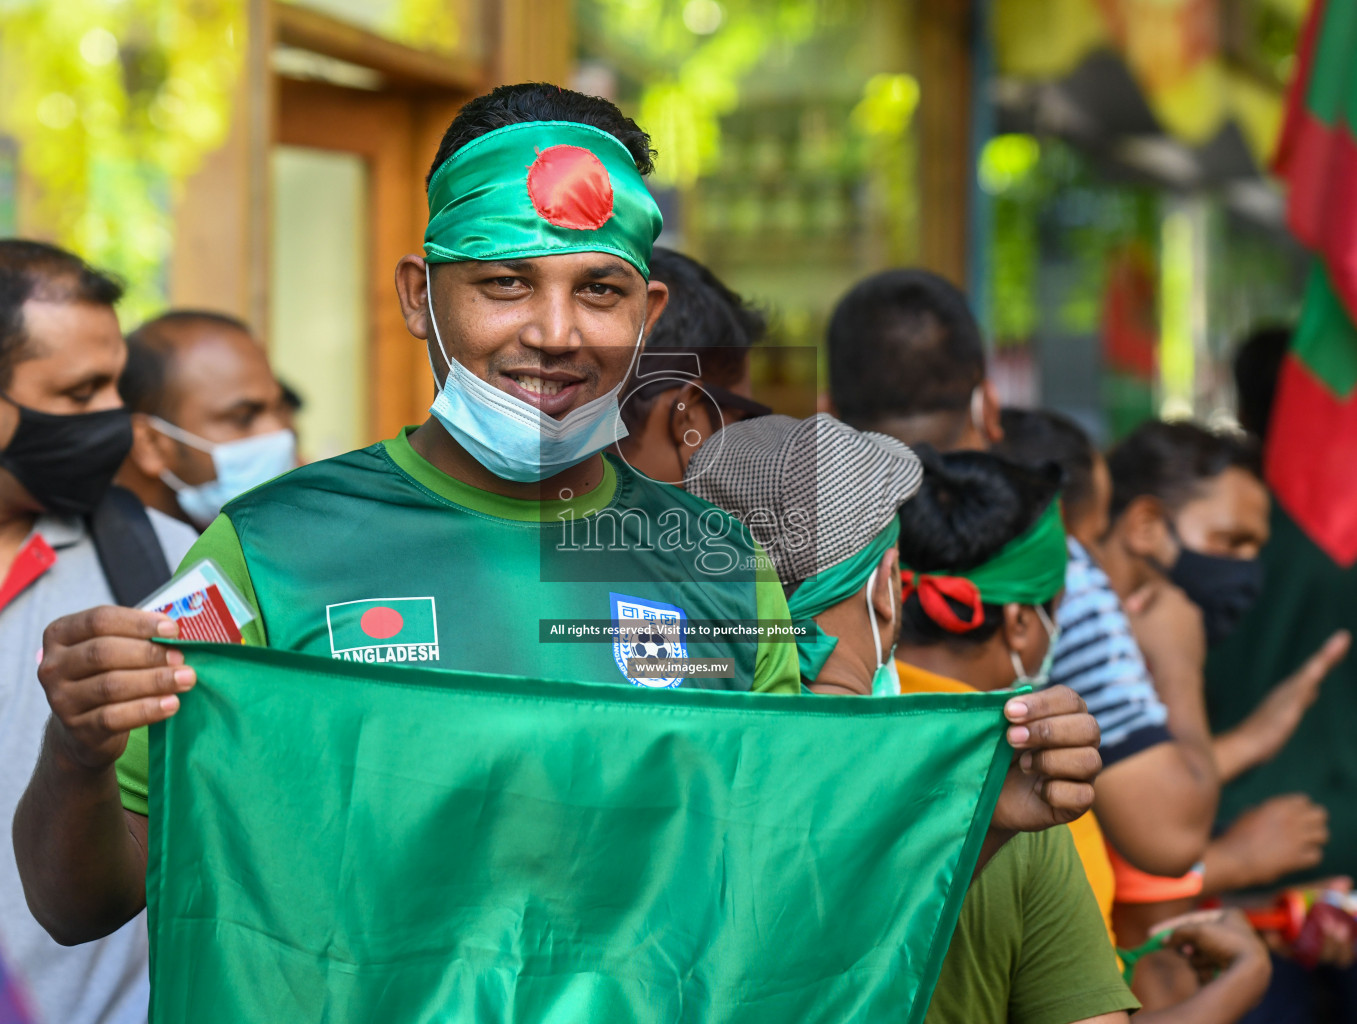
column 207, row 415
column 458, row 542
column 468, row 541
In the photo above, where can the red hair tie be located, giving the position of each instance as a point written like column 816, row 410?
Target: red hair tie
column 933, row 594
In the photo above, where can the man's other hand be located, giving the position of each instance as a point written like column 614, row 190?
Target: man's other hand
column 1051, row 780
column 1218, row 941
column 104, row 677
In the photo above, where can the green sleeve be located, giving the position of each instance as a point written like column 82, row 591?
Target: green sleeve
column 776, row 669
column 1066, row 969
column 219, row 543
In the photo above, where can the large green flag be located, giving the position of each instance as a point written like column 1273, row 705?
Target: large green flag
column 340, row 842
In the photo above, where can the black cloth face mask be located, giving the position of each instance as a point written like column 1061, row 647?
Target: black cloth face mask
column 67, row 462
column 1223, row 588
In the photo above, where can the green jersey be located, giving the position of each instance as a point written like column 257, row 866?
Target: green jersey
column 377, row 556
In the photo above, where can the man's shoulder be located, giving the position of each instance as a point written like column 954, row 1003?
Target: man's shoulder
column 637, row 491
column 175, row 537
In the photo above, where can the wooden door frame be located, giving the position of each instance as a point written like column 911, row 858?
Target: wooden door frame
column 396, row 132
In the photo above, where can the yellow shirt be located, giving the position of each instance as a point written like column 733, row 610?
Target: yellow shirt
column 1088, row 837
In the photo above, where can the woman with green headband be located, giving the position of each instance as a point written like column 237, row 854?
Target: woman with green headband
column 982, row 559
column 982, row 554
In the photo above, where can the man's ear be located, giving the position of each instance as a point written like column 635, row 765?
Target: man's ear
column 886, row 588
column 1012, row 628
column 146, row 453
column 823, row 403
column 990, row 409
column 412, row 290
column 690, row 423
column 1144, row 530
column 1017, row 629
column 657, row 298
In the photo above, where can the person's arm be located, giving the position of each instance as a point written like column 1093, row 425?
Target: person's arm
column 1156, row 807
column 1165, row 834
column 1280, row 836
column 1066, row 969
column 1261, row 736
column 81, row 857
column 80, row 828
column 1232, row 966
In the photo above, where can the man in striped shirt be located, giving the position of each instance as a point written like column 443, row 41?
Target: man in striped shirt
column 1098, row 655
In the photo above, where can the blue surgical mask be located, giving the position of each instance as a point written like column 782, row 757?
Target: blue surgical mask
column 240, row 465
column 1043, row 676
column 512, row 438
column 886, row 678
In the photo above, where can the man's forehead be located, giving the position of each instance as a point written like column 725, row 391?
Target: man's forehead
column 1225, row 496
column 588, row 264
column 226, row 356
column 48, row 327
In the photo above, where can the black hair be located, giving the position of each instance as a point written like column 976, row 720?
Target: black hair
column 903, row 343
column 538, row 101
column 143, row 384
column 703, row 317
column 1257, row 364
column 1037, row 436
column 37, row 271
column 969, row 506
column 1171, row 462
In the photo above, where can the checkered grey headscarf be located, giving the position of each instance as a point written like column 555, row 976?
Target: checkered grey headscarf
column 813, row 492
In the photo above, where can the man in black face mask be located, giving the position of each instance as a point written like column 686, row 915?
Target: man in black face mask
column 1189, row 506
column 63, row 435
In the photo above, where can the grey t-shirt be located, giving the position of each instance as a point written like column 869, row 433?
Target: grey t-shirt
column 103, row 982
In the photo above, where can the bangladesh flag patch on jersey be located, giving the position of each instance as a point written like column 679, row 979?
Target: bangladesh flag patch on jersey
column 381, row 630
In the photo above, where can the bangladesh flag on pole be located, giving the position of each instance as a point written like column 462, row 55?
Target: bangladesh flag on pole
column 349, row 842
column 1311, row 459
column 1313, row 435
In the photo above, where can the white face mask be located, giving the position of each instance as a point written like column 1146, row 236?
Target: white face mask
column 240, row 466
column 512, row 438
column 886, row 678
column 1043, row 675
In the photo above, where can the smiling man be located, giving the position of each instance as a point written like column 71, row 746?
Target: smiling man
column 452, row 544
column 458, row 543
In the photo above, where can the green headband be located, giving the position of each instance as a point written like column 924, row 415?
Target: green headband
column 1029, row 570
column 830, row 586
column 540, row 188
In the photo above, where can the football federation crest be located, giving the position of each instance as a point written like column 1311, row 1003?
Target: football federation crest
column 647, row 629
column 399, row 629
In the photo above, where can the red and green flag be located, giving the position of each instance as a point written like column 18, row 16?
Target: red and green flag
column 1311, row 460
column 1312, row 438
column 349, row 842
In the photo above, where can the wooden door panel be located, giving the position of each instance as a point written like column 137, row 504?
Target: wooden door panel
column 397, row 135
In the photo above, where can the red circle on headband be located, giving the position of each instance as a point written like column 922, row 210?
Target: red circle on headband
column 570, row 188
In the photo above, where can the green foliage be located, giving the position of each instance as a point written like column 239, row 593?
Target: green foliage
column 693, row 78
column 1050, row 204
column 113, row 103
